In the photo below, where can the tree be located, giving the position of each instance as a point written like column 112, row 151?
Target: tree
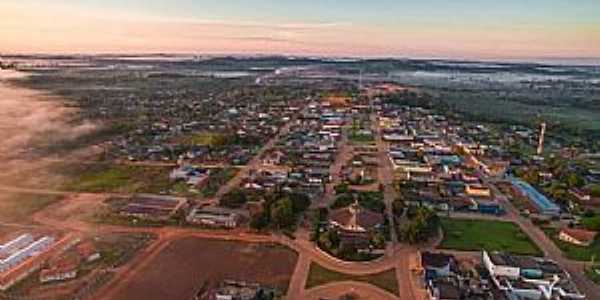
column 424, row 223
column 300, row 202
column 595, row 190
column 329, row 240
column 574, row 180
column 234, row 199
column 259, row 221
column 282, row 213
column 378, row 240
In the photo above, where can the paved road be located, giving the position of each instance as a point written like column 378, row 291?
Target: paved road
column 386, row 176
column 343, row 155
column 299, row 278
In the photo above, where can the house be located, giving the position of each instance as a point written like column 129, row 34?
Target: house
column 478, row 190
column 445, row 291
column 60, row 270
column 193, row 176
column 492, row 207
column 437, row 264
column 234, row 290
column 273, row 159
column 579, row 237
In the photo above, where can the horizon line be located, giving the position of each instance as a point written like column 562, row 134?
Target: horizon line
column 590, row 61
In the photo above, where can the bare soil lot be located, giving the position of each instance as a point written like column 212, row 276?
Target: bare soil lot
column 18, row 208
column 187, row 263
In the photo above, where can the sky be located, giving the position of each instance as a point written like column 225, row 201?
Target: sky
column 390, row 28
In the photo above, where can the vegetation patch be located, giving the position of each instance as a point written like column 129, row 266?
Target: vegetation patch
column 216, row 179
column 477, row 235
column 423, row 224
column 319, row 275
column 106, row 178
column 593, row 273
column 370, row 200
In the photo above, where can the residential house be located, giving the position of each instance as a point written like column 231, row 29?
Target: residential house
column 579, row 237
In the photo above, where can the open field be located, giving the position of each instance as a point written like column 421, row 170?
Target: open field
column 210, row 261
column 572, row 251
column 476, row 235
column 18, row 208
column 117, row 178
column 319, row 275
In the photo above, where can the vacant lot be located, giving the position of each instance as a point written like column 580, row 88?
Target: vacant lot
column 477, row 235
column 19, row 207
column 116, row 178
column 319, row 276
column 186, row 264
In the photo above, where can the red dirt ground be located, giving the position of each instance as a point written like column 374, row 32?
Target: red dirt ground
column 183, row 266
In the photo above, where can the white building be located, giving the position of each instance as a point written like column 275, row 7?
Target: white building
column 28, row 251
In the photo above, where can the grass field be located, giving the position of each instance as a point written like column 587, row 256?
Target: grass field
column 20, row 207
column 118, row 179
column 319, row 275
column 477, row 235
column 572, row 251
column 189, row 263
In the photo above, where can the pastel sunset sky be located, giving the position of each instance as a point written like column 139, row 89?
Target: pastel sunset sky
column 425, row 28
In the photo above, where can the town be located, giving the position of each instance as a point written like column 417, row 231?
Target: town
column 292, row 179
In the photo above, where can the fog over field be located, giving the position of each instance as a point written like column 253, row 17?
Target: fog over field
column 26, row 118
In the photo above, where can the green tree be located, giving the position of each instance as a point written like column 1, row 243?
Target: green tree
column 300, row 202
column 575, row 180
column 282, row 213
column 234, row 199
column 595, row 190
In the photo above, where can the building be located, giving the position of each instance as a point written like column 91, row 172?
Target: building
column 60, row 270
column 437, row 264
column 478, row 190
column 25, row 259
column 26, row 252
column 529, row 278
column 213, row 217
column 579, row 237
column 153, row 207
column 492, row 207
column 238, row 290
column 355, row 225
column 19, row 242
